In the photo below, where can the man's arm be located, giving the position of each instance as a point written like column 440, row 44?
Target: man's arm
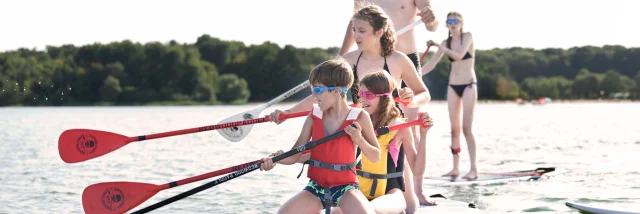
column 348, row 41
column 427, row 15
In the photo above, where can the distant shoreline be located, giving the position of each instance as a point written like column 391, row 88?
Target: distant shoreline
column 499, row 101
column 296, row 101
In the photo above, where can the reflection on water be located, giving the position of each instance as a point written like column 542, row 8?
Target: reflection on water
column 596, row 142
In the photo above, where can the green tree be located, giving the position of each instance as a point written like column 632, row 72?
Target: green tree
column 233, row 89
column 110, row 90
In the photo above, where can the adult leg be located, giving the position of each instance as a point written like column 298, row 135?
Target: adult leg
column 303, row 202
column 454, row 104
column 469, row 100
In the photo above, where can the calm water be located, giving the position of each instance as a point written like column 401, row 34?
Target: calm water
column 598, row 143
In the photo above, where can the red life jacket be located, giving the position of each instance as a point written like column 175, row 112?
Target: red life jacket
column 332, row 163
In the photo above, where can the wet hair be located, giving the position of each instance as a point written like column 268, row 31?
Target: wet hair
column 461, row 27
column 379, row 82
column 334, row 72
column 379, row 20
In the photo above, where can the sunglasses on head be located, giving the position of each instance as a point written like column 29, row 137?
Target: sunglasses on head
column 450, row 21
column 321, row 89
column 370, row 95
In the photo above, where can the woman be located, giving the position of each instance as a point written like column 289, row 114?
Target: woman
column 462, row 92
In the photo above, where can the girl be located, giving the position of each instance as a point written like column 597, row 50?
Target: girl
column 462, row 92
column 383, row 183
column 332, row 178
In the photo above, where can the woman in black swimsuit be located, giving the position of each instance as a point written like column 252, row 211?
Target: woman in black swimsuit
column 374, row 35
column 463, row 91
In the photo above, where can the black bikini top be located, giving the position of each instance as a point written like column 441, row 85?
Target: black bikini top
column 355, row 87
column 466, row 56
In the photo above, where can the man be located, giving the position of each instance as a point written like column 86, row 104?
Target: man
column 402, row 13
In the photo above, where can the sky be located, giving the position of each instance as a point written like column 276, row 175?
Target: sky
column 303, row 23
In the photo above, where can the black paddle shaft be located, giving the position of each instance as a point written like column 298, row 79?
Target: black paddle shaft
column 309, row 145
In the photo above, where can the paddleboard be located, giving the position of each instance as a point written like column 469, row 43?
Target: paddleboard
column 601, row 208
column 445, row 205
column 492, row 178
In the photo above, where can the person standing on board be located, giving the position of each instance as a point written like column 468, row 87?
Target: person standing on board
column 463, row 90
column 332, row 176
column 375, row 36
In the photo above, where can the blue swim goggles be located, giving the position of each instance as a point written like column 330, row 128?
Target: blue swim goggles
column 320, row 89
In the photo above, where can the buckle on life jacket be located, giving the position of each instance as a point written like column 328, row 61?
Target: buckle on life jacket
column 334, row 167
column 375, row 178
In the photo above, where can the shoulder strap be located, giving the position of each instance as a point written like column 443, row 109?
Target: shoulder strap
column 317, row 112
column 354, row 113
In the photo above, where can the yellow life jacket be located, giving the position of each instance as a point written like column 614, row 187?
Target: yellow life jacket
column 372, row 177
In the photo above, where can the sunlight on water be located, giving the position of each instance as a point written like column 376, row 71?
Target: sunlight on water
column 596, row 142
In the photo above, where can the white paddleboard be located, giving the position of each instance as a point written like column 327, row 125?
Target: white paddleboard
column 492, row 178
column 602, row 208
column 445, row 206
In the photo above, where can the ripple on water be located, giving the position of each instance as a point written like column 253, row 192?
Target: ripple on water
column 552, row 199
column 538, row 209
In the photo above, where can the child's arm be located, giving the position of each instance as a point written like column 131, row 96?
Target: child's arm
column 416, row 157
column 305, row 136
column 433, row 61
column 364, row 136
column 304, row 105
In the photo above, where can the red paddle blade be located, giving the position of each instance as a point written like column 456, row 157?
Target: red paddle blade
column 116, row 197
column 76, row 145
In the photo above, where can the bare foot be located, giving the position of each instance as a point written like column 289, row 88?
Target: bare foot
column 452, row 173
column 423, row 200
column 472, row 175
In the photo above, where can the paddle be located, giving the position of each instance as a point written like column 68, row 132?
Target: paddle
column 76, row 145
column 119, row 197
column 425, row 53
column 237, row 133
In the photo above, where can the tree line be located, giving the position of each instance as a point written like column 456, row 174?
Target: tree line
column 214, row 71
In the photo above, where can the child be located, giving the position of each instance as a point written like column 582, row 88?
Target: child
column 383, row 182
column 327, row 186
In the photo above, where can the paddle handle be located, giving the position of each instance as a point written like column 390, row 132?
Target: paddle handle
column 287, row 94
column 408, row 27
column 200, row 129
column 208, row 175
column 291, row 115
column 425, row 53
column 396, row 97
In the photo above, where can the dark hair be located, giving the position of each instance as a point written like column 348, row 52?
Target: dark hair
column 379, row 20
